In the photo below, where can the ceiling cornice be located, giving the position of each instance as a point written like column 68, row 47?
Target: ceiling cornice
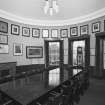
column 77, row 20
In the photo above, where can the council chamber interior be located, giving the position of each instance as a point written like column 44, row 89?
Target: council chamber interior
column 52, row 52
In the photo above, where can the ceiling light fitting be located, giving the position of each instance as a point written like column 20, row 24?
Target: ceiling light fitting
column 50, row 7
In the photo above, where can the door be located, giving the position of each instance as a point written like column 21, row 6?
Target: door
column 54, row 57
column 79, row 51
column 100, row 55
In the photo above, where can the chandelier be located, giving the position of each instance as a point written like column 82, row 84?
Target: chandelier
column 51, row 7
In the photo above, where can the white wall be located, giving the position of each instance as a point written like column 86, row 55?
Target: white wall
column 31, row 41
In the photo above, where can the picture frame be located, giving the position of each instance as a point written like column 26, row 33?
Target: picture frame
column 17, row 49
column 96, row 27
column 84, row 30
column 3, row 39
column 74, row 31
column 34, row 51
column 15, row 29
column 45, row 33
column 26, row 31
column 64, row 33
column 4, row 49
column 3, row 27
column 35, row 32
column 54, row 33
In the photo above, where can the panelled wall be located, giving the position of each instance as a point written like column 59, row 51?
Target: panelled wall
column 31, row 41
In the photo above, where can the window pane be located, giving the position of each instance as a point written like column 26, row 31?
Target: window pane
column 54, row 49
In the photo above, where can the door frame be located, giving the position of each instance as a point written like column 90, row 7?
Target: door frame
column 99, row 68
column 87, row 50
column 47, row 60
column 47, row 51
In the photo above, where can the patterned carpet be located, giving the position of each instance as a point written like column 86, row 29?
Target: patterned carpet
column 95, row 95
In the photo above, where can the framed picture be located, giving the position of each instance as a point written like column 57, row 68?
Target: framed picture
column 45, row 33
column 96, row 27
column 3, row 39
column 25, row 31
column 54, row 33
column 74, row 31
column 15, row 29
column 64, row 33
column 84, row 30
column 3, row 49
column 34, row 51
column 35, row 32
column 3, row 27
column 17, row 49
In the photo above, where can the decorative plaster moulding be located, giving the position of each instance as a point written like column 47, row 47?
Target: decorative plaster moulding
column 77, row 20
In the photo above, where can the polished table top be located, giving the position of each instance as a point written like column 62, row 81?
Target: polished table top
column 23, row 90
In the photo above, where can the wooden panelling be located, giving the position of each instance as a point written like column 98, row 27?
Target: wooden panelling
column 11, row 66
column 24, row 68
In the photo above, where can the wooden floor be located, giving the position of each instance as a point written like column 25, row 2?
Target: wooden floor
column 24, row 91
column 95, row 95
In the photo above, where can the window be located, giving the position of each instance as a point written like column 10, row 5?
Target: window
column 54, row 50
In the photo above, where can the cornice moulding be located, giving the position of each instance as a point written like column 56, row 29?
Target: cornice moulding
column 77, row 20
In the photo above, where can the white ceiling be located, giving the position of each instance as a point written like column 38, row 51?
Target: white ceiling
column 68, row 8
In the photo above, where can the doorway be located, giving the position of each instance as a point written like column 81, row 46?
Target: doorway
column 79, row 54
column 54, row 57
column 100, row 55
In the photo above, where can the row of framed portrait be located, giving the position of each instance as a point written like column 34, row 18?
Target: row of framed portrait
column 15, row 30
column 84, row 29
column 31, row 51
